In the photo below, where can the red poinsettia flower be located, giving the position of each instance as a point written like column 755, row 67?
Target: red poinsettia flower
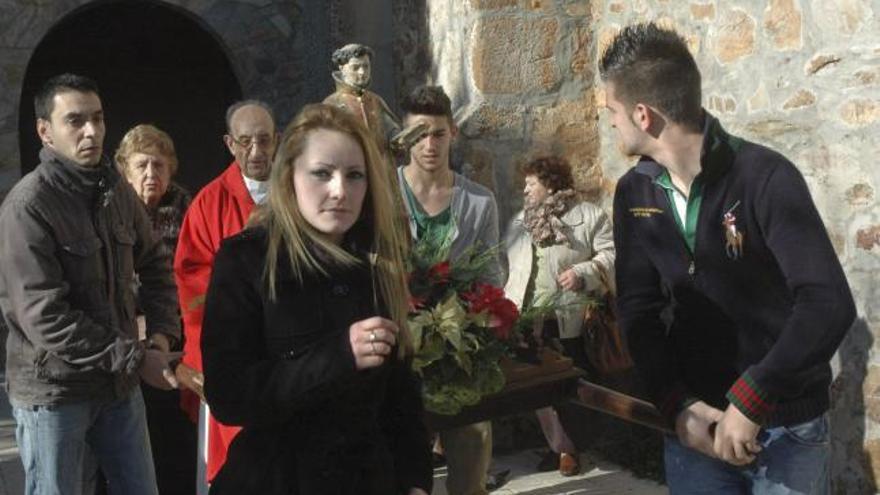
column 502, row 311
column 440, row 272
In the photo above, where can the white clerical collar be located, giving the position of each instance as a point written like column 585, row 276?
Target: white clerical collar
column 258, row 189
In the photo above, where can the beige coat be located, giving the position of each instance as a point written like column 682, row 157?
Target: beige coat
column 591, row 253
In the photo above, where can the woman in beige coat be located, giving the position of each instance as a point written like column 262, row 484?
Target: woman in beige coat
column 558, row 248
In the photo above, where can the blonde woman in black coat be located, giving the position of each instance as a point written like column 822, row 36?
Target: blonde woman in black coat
column 304, row 340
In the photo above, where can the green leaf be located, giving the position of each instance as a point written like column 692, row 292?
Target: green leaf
column 464, row 361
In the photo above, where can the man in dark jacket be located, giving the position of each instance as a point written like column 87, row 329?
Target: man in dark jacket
column 730, row 293
column 72, row 237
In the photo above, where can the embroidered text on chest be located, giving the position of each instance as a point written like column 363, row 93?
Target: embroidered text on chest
column 645, row 212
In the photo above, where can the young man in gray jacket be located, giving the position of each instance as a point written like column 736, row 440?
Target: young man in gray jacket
column 443, row 204
column 73, row 235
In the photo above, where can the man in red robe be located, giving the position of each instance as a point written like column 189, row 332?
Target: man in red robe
column 221, row 209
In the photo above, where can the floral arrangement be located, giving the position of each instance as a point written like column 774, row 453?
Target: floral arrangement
column 461, row 327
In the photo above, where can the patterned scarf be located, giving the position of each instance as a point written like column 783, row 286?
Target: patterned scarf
column 543, row 220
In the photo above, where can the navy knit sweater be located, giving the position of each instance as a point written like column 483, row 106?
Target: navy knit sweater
column 755, row 330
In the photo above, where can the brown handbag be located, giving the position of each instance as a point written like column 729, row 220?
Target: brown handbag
column 604, row 345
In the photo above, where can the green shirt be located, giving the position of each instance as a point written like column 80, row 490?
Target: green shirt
column 437, row 227
column 688, row 225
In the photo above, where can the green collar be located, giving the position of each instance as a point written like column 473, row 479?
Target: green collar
column 688, row 225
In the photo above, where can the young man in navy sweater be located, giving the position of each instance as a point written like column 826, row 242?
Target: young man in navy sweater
column 730, row 293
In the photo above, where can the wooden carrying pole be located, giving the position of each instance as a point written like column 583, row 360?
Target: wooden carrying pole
column 620, row 405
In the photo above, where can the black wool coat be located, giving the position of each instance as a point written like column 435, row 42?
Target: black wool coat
column 284, row 371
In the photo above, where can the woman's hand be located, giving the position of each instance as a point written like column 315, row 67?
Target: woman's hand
column 191, row 379
column 569, row 280
column 372, row 341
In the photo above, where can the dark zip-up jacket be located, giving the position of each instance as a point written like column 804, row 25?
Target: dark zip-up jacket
column 71, row 241
column 756, row 330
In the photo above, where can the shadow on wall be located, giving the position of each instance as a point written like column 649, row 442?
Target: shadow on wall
column 851, row 457
column 412, row 55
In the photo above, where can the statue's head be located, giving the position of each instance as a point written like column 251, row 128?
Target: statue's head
column 354, row 62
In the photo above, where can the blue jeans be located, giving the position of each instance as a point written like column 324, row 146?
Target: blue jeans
column 794, row 461
column 59, row 445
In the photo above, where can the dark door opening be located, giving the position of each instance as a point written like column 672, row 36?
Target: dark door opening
column 154, row 63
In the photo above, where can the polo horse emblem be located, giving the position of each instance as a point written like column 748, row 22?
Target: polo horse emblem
column 732, row 236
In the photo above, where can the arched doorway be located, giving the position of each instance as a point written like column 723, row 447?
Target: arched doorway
column 153, row 63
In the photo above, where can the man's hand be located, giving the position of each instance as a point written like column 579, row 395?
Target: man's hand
column 191, row 379
column 569, row 280
column 735, row 438
column 155, row 370
column 693, row 427
column 159, row 341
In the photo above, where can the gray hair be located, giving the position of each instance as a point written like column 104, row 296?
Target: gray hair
column 243, row 103
column 352, row 50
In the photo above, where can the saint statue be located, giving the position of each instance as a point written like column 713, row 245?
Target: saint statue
column 352, row 77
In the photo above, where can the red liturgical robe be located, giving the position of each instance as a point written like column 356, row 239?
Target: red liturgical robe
column 220, row 210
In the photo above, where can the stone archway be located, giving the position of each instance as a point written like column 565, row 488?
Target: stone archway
column 154, row 63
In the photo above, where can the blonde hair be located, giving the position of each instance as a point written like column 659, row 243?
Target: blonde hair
column 288, row 229
column 145, row 138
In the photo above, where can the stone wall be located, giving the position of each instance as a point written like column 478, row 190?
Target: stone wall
column 272, row 52
column 520, row 79
column 801, row 76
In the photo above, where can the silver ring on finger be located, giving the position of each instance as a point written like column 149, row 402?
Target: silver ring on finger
column 373, row 337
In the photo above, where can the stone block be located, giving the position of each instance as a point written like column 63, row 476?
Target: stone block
column 606, row 36
column 868, row 76
column 547, row 6
column 871, row 392
column 722, row 104
column 578, row 8
column 866, row 239
column 760, row 100
column 735, row 37
column 493, row 4
column 703, row 11
column 639, row 7
column 783, row 20
column 570, row 130
column 616, row 7
column 596, row 11
column 860, row 112
column 860, row 194
column 494, row 121
column 841, row 16
column 580, row 48
column 480, row 162
column 773, row 128
column 693, row 43
column 589, row 178
column 566, row 122
column 23, row 25
column 820, row 62
column 803, row 98
column 872, row 452
column 513, row 55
